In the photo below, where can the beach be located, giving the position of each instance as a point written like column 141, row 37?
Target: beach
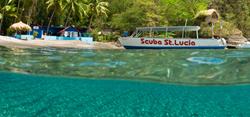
column 17, row 43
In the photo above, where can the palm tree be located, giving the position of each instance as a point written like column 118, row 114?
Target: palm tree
column 9, row 8
column 22, row 9
column 55, row 4
column 77, row 8
column 18, row 7
column 97, row 8
column 32, row 9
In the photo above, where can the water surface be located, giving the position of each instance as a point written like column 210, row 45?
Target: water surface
column 198, row 67
column 111, row 83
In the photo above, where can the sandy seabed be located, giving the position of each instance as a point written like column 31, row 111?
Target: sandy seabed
column 17, row 43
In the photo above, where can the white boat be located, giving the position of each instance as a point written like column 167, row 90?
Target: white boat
column 148, row 38
column 246, row 45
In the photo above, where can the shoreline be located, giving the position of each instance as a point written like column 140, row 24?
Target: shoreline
column 11, row 42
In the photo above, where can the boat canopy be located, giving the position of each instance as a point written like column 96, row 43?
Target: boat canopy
column 170, row 28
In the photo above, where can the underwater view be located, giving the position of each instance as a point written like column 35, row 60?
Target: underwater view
column 166, row 83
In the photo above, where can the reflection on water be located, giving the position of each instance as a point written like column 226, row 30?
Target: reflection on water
column 88, row 54
column 55, row 58
column 169, row 66
column 2, row 60
column 206, row 60
column 113, row 64
column 238, row 53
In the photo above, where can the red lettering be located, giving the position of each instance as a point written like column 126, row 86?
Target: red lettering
column 168, row 42
column 165, row 42
column 142, row 41
column 193, row 43
column 187, row 43
column 175, row 43
column 171, row 42
column 184, row 43
column 159, row 42
column 151, row 42
column 155, row 42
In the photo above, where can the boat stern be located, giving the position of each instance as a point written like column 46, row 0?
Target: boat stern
column 126, row 41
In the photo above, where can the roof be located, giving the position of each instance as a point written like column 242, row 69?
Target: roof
column 20, row 26
column 70, row 28
column 170, row 28
column 208, row 12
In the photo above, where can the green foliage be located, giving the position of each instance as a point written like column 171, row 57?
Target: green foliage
column 140, row 13
column 97, row 9
column 77, row 8
column 35, row 34
column 177, row 11
column 235, row 11
column 122, row 15
column 10, row 32
column 156, row 13
column 107, row 37
column 9, row 11
column 227, row 30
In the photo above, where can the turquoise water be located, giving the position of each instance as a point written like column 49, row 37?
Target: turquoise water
column 26, row 95
column 71, row 82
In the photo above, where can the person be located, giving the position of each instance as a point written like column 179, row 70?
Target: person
column 125, row 34
column 44, row 36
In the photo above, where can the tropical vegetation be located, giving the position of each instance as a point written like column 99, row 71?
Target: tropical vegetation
column 117, row 16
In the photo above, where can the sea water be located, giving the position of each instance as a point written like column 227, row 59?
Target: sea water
column 74, row 82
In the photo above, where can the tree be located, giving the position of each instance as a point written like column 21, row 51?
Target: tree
column 7, row 10
column 177, row 11
column 120, row 14
column 140, row 13
column 77, row 8
column 97, row 8
column 31, row 10
column 236, row 12
column 18, row 7
column 55, row 4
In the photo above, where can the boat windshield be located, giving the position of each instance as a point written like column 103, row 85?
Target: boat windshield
column 166, row 32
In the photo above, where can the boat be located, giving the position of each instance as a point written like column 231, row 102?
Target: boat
column 164, row 38
column 245, row 45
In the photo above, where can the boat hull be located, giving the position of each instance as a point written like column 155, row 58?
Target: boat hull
column 154, row 43
column 244, row 46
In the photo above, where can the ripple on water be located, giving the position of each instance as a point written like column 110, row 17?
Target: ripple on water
column 206, row 60
column 238, row 54
column 71, row 65
column 194, row 53
column 55, row 58
column 25, row 65
column 33, row 61
column 2, row 61
column 112, row 64
column 88, row 54
column 89, row 64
